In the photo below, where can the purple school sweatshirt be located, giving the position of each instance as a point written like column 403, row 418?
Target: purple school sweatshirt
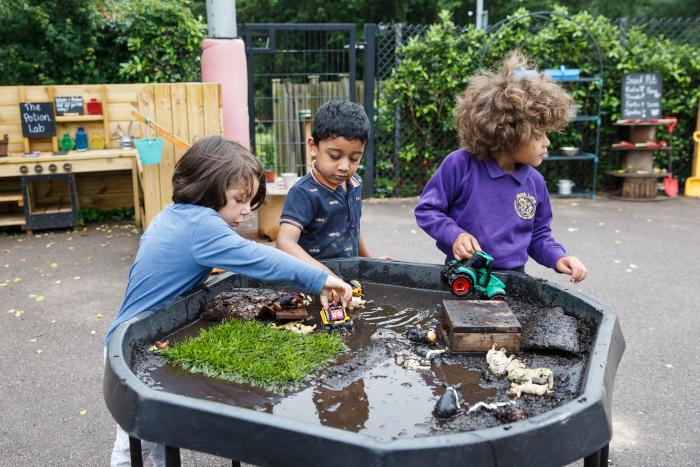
column 508, row 213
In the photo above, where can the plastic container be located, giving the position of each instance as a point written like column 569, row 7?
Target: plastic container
column 81, row 140
column 290, row 178
column 150, row 150
column 565, row 186
column 96, row 141
column 94, row 107
column 521, row 73
column 562, row 73
column 66, row 143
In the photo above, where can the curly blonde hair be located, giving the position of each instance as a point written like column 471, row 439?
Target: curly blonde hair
column 501, row 112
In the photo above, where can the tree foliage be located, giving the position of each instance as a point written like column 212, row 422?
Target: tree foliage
column 92, row 41
column 428, row 11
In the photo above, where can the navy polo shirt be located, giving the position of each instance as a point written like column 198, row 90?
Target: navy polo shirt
column 329, row 219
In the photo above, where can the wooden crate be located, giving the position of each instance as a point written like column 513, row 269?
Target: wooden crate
column 476, row 325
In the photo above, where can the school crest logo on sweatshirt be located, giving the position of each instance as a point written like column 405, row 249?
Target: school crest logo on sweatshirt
column 525, row 205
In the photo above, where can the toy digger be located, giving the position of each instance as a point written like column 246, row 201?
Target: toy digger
column 463, row 278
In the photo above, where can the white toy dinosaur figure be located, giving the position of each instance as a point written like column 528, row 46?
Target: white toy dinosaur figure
column 519, row 373
column 498, row 361
column 527, row 388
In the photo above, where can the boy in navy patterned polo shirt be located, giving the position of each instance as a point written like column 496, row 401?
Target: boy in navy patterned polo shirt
column 488, row 194
column 321, row 215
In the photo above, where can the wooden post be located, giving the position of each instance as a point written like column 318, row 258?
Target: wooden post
column 105, row 115
column 307, row 134
column 51, row 91
column 21, row 96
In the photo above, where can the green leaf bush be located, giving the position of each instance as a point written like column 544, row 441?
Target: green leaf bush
column 99, row 41
column 434, row 68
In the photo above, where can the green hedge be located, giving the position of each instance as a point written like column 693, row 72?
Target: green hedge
column 98, row 41
column 435, row 68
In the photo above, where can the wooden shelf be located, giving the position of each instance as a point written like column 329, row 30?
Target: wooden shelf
column 11, row 219
column 637, row 175
column 50, row 209
column 10, row 197
column 79, row 118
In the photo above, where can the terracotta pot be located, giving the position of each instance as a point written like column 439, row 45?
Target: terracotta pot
column 269, row 175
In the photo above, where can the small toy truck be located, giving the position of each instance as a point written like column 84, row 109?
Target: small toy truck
column 334, row 314
column 464, row 278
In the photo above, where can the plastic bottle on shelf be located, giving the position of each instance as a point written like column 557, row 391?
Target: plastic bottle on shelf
column 66, row 143
column 96, row 141
column 94, row 107
column 81, row 141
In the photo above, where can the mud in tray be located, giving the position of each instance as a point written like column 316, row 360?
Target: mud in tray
column 367, row 391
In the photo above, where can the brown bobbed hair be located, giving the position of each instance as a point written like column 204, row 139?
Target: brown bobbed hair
column 501, row 111
column 210, row 167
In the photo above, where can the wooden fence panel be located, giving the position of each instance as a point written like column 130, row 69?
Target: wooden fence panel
column 150, row 179
column 164, row 117
column 195, row 112
column 180, row 124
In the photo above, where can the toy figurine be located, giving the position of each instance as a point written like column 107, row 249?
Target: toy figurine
column 449, row 403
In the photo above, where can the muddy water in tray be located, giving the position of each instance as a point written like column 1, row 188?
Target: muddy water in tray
column 365, row 390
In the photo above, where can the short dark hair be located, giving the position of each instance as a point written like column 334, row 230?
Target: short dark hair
column 211, row 166
column 341, row 118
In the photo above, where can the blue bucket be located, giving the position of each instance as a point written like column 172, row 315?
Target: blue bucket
column 150, row 150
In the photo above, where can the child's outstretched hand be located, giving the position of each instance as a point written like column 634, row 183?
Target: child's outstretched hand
column 464, row 246
column 336, row 290
column 572, row 266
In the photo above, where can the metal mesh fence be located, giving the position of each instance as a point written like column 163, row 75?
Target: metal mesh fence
column 681, row 30
column 393, row 176
column 294, row 70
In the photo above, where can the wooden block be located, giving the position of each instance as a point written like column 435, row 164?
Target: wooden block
column 475, row 325
column 291, row 314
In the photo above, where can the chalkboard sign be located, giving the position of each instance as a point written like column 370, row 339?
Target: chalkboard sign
column 641, row 95
column 37, row 119
column 69, row 105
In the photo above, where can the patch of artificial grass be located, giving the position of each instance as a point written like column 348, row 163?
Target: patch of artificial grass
column 255, row 353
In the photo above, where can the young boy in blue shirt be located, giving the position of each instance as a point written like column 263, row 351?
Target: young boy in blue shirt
column 489, row 194
column 321, row 215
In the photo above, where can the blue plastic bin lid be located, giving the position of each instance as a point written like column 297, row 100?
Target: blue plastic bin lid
column 562, row 72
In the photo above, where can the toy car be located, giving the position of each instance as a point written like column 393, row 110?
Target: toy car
column 464, row 278
column 334, row 314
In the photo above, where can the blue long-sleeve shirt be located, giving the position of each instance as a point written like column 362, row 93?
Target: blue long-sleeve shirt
column 182, row 245
column 509, row 214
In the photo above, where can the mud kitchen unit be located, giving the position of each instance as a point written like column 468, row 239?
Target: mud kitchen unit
column 578, row 426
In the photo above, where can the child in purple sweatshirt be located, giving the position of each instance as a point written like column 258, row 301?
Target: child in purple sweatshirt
column 488, row 195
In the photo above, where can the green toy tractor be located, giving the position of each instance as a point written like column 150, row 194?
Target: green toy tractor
column 464, row 278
